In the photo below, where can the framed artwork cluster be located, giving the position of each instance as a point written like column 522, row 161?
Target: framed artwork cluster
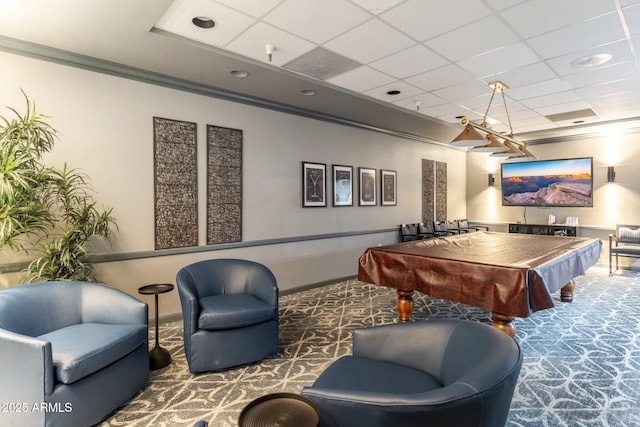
column 314, row 186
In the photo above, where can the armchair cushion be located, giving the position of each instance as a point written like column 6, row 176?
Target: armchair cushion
column 80, row 350
column 233, row 311
column 358, row 375
column 627, row 234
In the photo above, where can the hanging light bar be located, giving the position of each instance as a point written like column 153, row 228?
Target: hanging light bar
column 512, row 151
column 469, row 137
column 526, row 154
column 494, row 145
column 511, row 148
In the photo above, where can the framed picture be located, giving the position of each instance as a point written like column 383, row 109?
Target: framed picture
column 314, row 185
column 367, row 183
column 342, row 185
column 388, row 187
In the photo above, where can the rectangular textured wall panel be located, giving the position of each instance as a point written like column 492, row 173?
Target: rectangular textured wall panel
column 224, row 185
column 428, row 190
column 175, row 183
column 441, row 191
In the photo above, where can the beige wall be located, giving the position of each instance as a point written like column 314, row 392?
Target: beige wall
column 613, row 203
column 105, row 126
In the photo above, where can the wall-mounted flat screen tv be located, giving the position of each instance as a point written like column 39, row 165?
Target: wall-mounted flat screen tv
column 560, row 182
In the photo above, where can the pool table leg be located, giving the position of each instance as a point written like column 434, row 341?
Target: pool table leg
column 504, row 323
column 405, row 305
column 566, row 293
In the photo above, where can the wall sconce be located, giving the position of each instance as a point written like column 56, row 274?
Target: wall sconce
column 611, row 174
column 492, row 180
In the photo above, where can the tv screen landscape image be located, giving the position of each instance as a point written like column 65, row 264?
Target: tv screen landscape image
column 560, row 182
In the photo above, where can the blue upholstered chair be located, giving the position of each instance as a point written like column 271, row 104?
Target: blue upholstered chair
column 625, row 242
column 71, row 352
column 230, row 311
column 436, row 373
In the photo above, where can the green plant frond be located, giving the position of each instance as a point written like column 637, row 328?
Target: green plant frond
column 47, row 210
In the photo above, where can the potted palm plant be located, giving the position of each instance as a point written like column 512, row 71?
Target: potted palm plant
column 46, row 211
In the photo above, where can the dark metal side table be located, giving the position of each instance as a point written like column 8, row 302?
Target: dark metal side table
column 158, row 357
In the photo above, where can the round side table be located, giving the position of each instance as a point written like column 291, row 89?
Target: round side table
column 158, row 357
column 281, row 410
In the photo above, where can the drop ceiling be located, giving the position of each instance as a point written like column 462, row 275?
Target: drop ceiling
column 351, row 54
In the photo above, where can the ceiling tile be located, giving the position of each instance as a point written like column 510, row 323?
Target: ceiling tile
column 361, row 79
column 449, row 75
column 525, row 75
column 229, row 23
column 538, row 89
column 377, row 6
column 442, row 53
column 464, row 90
column 503, row 4
column 613, row 100
column 610, row 89
column 448, row 112
column 620, row 112
column 406, row 91
column 479, row 103
column 619, row 51
column 316, row 21
column 255, row 8
column 423, row 19
column 252, row 43
column 500, row 60
column 563, row 108
column 425, row 99
column 590, row 77
column 632, row 18
column 370, row 41
column 534, row 124
column 517, row 116
column 536, row 17
column 409, row 62
column 473, row 39
column 585, row 35
column 553, row 99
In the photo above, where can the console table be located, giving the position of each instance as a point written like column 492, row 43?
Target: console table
column 548, row 229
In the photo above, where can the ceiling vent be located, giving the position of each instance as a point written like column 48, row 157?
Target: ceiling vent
column 572, row 116
column 321, row 64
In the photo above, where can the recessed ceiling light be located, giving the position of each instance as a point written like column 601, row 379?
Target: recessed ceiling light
column 308, row 92
column 239, row 73
column 591, row 60
column 393, row 92
column 203, row 22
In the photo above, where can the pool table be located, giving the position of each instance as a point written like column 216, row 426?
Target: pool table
column 511, row 275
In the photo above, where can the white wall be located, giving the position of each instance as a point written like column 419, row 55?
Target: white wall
column 106, row 130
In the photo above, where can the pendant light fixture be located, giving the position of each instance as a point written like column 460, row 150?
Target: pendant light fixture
column 471, row 136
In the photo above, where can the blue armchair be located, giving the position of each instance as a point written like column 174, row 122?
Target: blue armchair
column 71, row 352
column 230, row 311
column 436, row 373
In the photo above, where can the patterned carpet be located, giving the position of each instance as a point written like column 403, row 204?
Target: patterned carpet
column 581, row 360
